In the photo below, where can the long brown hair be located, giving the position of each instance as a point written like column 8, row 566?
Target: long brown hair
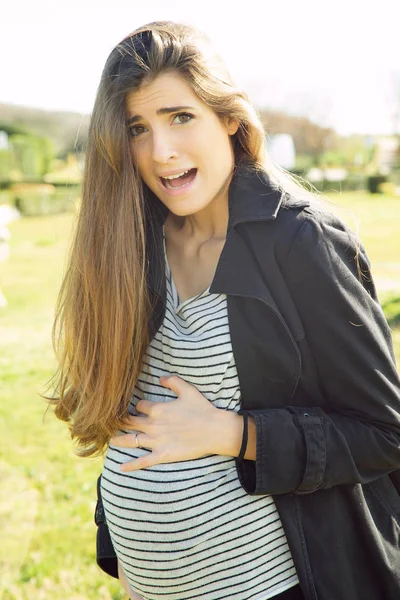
column 100, row 332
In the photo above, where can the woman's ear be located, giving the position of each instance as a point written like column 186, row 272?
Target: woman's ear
column 231, row 125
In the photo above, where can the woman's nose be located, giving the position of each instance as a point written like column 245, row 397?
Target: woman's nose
column 163, row 147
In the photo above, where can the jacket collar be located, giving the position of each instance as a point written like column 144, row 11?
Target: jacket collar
column 252, row 197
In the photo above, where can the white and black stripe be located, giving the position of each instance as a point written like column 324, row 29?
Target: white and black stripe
column 188, row 530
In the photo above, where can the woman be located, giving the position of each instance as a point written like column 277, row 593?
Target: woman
column 221, row 338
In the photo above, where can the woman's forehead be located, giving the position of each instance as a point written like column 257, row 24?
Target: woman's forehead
column 165, row 91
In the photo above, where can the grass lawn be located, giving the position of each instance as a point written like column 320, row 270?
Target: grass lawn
column 47, row 496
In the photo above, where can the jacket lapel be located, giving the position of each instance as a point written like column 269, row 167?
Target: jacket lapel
column 237, row 273
column 266, row 355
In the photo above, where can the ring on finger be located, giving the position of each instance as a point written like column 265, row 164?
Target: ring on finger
column 137, row 440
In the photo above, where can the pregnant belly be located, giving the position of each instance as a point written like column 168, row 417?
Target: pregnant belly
column 156, row 505
column 169, row 523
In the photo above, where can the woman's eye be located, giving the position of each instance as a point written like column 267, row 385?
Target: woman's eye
column 183, row 118
column 136, row 130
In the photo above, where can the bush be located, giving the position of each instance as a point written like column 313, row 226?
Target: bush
column 6, row 162
column 374, row 181
column 352, row 183
column 43, row 199
column 303, row 163
column 394, row 177
column 32, row 155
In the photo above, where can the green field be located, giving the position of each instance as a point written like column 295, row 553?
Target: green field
column 47, row 495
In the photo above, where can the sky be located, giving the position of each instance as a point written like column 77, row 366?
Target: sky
column 337, row 62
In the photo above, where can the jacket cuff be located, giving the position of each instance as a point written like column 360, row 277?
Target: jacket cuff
column 290, row 453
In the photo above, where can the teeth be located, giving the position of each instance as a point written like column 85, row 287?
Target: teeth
column 176, row 176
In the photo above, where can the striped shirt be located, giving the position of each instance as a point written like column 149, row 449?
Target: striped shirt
column 188, row 530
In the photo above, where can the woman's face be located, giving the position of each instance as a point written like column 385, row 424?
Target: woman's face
column 174, row 133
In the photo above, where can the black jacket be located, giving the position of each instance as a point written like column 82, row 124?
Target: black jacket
column 317, row 373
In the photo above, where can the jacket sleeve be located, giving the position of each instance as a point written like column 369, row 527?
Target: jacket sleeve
column 353, row 436
column 106, row 557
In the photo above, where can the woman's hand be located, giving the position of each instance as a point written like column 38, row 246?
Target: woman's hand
column 186, row 428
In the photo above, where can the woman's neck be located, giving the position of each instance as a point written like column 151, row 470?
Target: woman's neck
column 210, row 223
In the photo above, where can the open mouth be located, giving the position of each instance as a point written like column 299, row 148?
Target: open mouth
column 179, row 181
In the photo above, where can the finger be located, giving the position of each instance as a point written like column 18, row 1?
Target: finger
column 145, row 406
column 125, row 440
column 136, row 423
column 128, row 440
column 143, row 462
column 174, row 383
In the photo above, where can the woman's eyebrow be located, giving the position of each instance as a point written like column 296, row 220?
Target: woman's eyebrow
column 161, row 111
